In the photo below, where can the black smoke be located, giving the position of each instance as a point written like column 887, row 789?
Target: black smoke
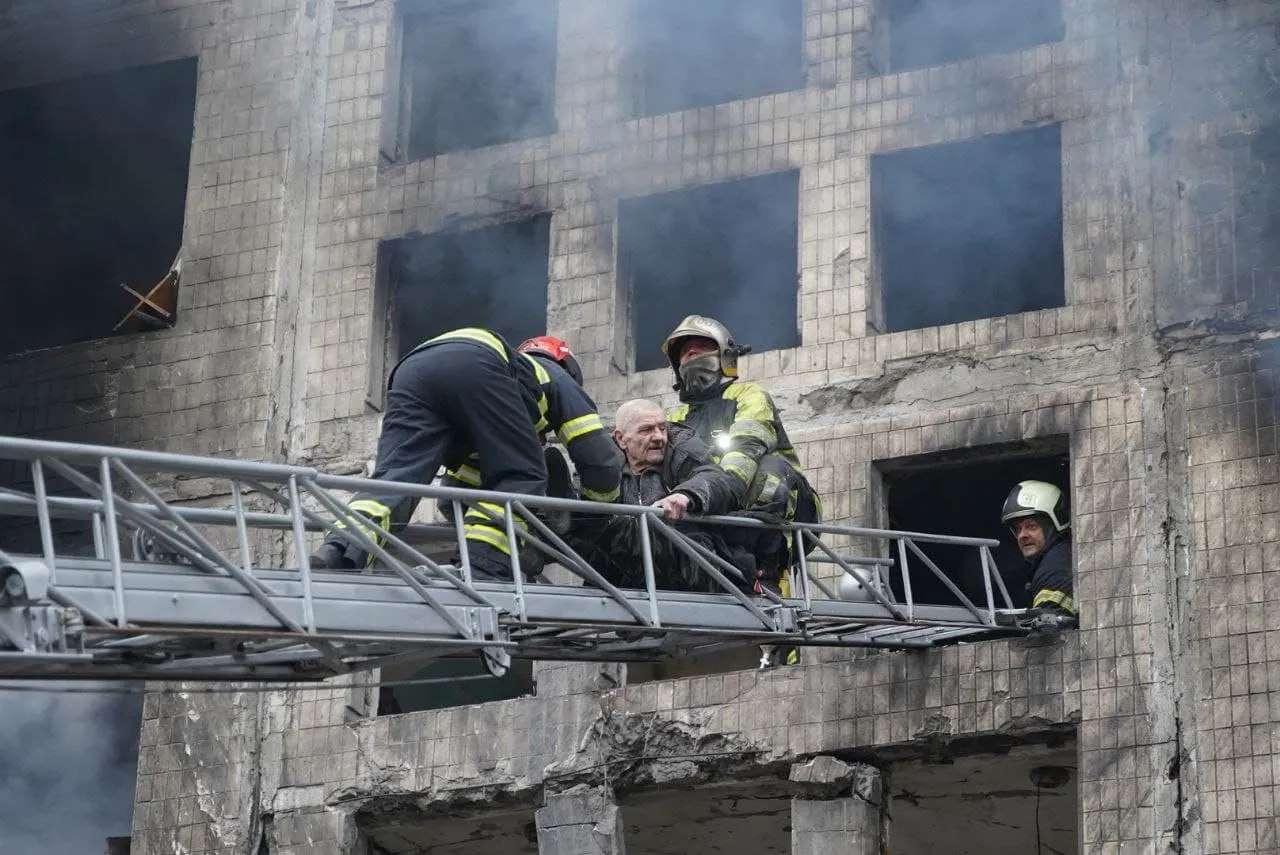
column 70, row 762
column 493, row 277
column 970, row 229
column 727, row 250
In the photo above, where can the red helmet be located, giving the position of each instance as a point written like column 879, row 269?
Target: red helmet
column 557, row 349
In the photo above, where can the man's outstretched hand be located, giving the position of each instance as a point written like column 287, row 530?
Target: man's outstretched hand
column 674, row 507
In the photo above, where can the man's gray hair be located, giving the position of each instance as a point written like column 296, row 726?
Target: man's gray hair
column 633, row 410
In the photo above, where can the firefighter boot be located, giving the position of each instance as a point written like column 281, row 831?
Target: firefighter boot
column 332, row 556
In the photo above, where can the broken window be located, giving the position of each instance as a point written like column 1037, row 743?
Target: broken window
column 1025, row 798
column 962, row 493
column 477, row 74
column 934, row 32
column 455, row 825
column 94, row 172
column 969, row 230
column 493, row 277
column 725, row 250
column 689, row 54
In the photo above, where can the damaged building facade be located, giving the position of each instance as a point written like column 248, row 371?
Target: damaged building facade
column 971, row 243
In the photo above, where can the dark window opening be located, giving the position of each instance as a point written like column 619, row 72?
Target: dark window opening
column 478, row 74
column 449, row 683
column 695, row 54
column 962, row 493
column 933, row 32
column 94, row 176
column 493, row 277
column 1030, row 794
column 724, row 250
column 969, row 230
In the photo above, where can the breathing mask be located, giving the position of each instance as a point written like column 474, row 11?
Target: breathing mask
column 700, row 376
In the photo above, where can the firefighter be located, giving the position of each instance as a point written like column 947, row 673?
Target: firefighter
column 1036, row 512
column 467, row 400
column 740, row 422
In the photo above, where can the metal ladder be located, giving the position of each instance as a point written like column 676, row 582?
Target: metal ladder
column 191, row 599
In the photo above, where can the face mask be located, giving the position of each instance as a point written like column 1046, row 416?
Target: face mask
column 700, row 375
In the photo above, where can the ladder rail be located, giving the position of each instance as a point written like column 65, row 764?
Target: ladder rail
column 195, row 609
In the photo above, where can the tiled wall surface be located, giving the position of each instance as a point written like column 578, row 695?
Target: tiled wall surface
column 1158, row 368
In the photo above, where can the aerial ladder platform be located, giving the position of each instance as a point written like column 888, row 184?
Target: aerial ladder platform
column 102, row 577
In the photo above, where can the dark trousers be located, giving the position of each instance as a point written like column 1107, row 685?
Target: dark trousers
column 446, row 401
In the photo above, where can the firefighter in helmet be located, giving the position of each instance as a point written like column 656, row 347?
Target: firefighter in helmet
column 469, row 401
column 1036, row 512
column 741, row 423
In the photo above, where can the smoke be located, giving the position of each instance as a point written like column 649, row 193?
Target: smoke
column 725, row 250
column 970, row 229
column 480, row 74
column 494, row 277
column 70, row 764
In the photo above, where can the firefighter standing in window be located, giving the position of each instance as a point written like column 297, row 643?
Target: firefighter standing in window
column 466, row 400
column 1036, row 512
column 740, row 422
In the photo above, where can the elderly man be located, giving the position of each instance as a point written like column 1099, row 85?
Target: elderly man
column 666, row 466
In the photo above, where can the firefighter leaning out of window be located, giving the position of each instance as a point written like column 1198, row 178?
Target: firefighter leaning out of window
column 741, row 424
column 1036, row 512
column 469, row 401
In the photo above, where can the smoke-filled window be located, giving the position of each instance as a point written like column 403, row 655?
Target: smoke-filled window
column 694, row 54
column 478, row 74
column 969, row 230
column 725, row 250
column 933, row 32
column 493, row 277
column 93, row 174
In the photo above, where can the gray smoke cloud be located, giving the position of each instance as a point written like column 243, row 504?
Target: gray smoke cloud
column 70, row 763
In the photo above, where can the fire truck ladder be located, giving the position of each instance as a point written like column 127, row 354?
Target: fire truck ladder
column 199, row 596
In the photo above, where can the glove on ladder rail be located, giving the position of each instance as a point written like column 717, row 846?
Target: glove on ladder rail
column 203, row 593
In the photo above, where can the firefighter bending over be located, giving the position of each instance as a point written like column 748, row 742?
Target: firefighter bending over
column 1036, row 512
column 467, row 399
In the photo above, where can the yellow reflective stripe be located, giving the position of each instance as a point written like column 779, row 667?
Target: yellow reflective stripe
column 466, row 474
column 679, row 414
column 581, row 426
column 472, row 334
column 489, row 535
column 752, row 403
column 597, row 496
column 1050, row 597
column 745, row 469
column 753, row 429
column 488, row 512
column 379, row 513
column 538, row 370
column 544, row 380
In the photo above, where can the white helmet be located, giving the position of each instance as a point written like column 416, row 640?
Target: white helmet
column 1031, row 498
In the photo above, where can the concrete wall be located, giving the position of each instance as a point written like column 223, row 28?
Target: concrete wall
column 1160, row 368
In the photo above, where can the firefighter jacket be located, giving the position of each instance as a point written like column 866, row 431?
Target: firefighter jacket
column 687, row 467
column 558, row 404
column 741, row 424
column 1051, row 576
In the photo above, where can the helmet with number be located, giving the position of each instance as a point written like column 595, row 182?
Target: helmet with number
column 556, row 349
column 1036, row 498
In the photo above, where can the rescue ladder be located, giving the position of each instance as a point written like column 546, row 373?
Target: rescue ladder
column 102, row 577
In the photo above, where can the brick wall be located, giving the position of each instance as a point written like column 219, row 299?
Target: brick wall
column 1156, row 368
